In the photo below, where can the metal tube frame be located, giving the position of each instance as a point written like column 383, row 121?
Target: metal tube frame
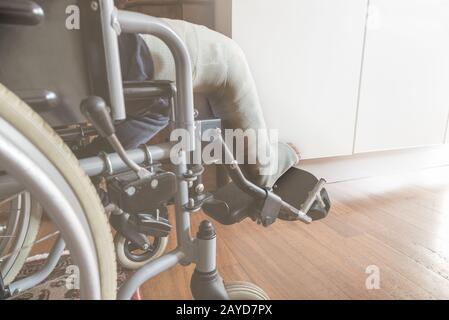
column 43, row 181
column 132, row 22
column 114, row 72
column 40, row 276
column 21, row 207
column 188, row 249
column 183, row 118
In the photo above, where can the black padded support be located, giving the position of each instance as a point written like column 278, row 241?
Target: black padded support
column 231, row 205
column 294, row 187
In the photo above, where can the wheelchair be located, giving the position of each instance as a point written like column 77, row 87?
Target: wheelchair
column 59, row 88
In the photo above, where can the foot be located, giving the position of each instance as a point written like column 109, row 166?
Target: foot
column 296, row 150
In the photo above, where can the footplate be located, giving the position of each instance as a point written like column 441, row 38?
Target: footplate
column 305, row 192
column 296, row 194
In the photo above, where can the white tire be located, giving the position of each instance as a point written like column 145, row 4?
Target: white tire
column 127, row 262
column 43, row 138
column 240, row 290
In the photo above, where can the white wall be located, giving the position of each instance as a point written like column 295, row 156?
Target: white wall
column 404, row 98
column 306, row 57
column 344, row 78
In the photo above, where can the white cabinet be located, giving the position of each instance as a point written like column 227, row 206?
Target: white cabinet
column 306, row 58
column 336, row 81
column 404, row 98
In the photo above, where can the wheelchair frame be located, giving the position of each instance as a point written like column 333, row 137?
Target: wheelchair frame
column 189, row 250
column 200, row 250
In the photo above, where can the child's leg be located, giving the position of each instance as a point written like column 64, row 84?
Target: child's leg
column 222, row 74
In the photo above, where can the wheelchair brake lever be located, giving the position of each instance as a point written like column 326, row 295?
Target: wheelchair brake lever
column 95, row 110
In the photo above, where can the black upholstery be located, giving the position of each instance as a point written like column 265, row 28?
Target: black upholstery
column 231, row 205
column 49, row 58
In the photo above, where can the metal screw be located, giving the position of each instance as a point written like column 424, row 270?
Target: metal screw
column 199, row 188
column 191, row 203
column 94, row 5
column 130, row 191
column 154, row 184
column 146, row 246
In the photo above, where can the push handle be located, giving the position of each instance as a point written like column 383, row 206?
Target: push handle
column 96, row 111
column 20, row 12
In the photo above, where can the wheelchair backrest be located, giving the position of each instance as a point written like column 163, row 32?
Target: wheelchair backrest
column 48, row 61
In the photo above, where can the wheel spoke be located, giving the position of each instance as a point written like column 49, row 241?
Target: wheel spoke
column 2, row 201
column 51, row 235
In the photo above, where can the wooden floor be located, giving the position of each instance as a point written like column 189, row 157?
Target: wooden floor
column 399, row 224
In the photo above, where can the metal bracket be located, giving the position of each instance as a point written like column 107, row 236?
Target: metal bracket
column 271, row 208
column 107, row 161
column 148, row 157
column 115, row 24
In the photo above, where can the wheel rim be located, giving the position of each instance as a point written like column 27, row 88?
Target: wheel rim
column 33, row 172
column 20, row 213
column 135, row 254
column 11, row 224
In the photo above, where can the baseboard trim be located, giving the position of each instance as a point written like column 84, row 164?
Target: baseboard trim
column 377, row 163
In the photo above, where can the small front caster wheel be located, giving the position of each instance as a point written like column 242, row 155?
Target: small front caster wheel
column 131, row 257
column 239, row 290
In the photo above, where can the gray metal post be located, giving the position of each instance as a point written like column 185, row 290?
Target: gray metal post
column 131, row 22
column 149, row 271
column 114, row 72
column 40, row 276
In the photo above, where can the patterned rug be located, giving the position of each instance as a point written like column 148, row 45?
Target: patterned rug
column 60, row 285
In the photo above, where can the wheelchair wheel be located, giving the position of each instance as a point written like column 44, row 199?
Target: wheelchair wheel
column 33, row 154
column 134, row 258
column 239, row 290
column 22, row 221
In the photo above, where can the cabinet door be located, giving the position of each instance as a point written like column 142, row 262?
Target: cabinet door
column 404, row 98
column 306, row 57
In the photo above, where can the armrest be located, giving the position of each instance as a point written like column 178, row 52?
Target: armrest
column 20, row 12
column 143, row 90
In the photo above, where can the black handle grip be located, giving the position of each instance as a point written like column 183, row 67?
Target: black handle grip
column 96, row 111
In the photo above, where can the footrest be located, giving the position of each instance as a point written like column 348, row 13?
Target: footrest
column 229, row 205
column 294, row 188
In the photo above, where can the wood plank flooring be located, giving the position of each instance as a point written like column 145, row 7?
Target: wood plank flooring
column 398, row 223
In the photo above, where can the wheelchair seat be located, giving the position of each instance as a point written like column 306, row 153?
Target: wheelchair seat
column 67, row 65
column 230, row 205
